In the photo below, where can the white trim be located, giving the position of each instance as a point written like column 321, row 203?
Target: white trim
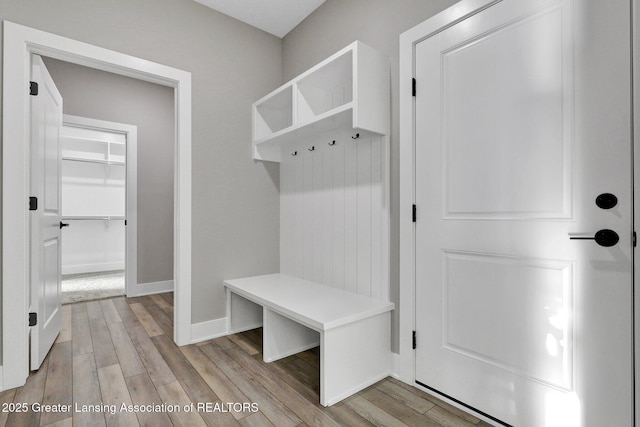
column 395, row 366
column 408, row 40
column 208, row 330
column 151, row 288
column 131, row 211
column 20, row 43
column 635, row 108
column 92, row 268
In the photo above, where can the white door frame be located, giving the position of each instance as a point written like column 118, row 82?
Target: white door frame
column 20, row 43
column 635, row 32
column 131, row 189
column 408, row 40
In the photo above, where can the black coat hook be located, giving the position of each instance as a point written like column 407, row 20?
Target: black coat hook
column 332, row 143
column 295, row 153
column 313, row 148
column 356, row 136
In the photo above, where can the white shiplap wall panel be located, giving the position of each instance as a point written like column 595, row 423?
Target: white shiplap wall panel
column 299, row 216
column 338, row 214
column 306, row 198
column 334, row 212
column 351, row 215
column 377, row 199
column 317, row 199
column 364, row 212
column 327, row 212
column 286, row 215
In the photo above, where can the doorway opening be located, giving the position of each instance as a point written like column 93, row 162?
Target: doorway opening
column 95, row 195
column 99, row 208
column 20, row 42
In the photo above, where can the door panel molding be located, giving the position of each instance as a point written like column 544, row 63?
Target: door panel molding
column 408, row 42
column 468, row 306
column 515, row 71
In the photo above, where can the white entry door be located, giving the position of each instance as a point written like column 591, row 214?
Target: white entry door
column 522, row 120
column 45, row 298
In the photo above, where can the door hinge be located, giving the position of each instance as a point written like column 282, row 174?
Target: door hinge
column 125, row 222
column 33, row 203
column 413, row 86
column 33, row 88
column 414, row 213
column 413, row 340
column 33, row 319
column 635, row 239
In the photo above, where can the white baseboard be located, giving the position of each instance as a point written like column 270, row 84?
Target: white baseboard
column 150, row 288
column 208, row 330
column 395, row 365
column 92, row 268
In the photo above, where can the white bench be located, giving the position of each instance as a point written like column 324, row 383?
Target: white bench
column 353, row 331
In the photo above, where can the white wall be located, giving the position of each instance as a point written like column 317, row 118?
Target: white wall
column 92, row 246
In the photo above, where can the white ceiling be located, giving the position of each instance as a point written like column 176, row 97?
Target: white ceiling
column 277, row 17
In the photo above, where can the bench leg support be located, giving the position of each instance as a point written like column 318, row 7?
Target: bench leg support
column 282, row 337
column 353, row 357
column 242, row 314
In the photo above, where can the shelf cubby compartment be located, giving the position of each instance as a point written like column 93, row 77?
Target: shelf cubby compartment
column 274, row 114
column 117, row 153
column 350, row 89
column 325, row 89
column 78, row 149
column 93, row 146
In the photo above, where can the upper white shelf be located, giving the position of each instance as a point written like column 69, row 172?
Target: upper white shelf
column 350, row 88
column 93, row 146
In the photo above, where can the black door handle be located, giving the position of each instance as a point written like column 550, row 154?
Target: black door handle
column 63, row 224
column 604, row 237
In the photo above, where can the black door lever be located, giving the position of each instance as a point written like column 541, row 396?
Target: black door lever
column 605, row 237
column 63, row 224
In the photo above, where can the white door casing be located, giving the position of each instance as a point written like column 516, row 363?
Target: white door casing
column 522, row 118
column 19, row 42
column 45, row 249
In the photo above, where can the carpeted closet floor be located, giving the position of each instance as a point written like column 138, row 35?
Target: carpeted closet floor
column 91, row 286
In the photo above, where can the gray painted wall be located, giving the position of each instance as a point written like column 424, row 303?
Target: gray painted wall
column 377, row 23
column 87, row 92
column 235, row 215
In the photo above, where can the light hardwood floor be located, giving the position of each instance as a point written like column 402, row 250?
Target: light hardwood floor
column 119, row 350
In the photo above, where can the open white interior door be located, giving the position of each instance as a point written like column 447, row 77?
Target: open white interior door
column 522, row 128
column 45, row 288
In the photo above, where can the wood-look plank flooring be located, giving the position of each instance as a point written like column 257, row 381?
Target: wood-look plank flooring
column 119, row 351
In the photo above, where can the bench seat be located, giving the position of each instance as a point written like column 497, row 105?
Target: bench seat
column 353, row 331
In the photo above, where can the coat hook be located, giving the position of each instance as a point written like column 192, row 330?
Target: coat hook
column 295, row 153
column 332, row 143
column 356, row 136
column 313, row 148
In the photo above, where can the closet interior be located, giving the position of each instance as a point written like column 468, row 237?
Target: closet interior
column 93, row 212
